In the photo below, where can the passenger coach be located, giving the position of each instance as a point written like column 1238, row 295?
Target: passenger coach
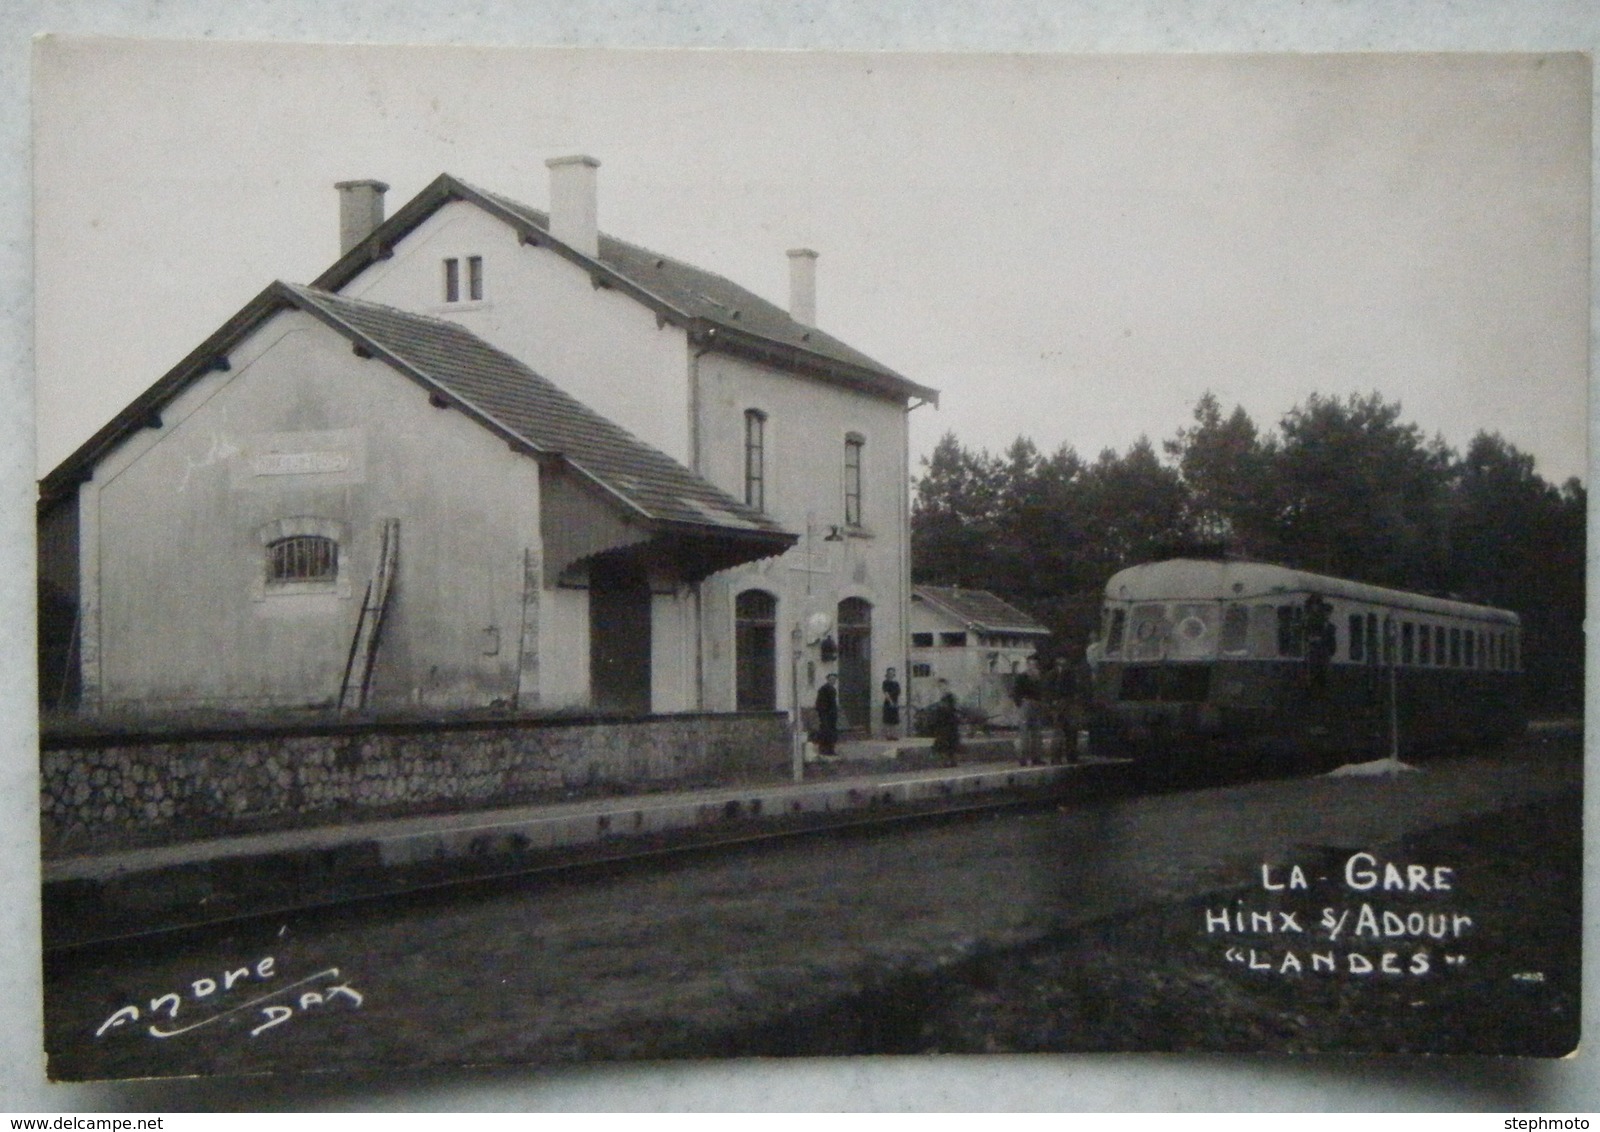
column 1252, row 662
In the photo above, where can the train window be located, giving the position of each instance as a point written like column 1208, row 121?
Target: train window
column 1438, row 645
column 1236, row 629
column 1291, row 630
column 1470, row 659
column 1455, row 647
column 1114, row 630
column 1263, row 630
column 1424, row 645
column 1355, row 637
column 1408, row 646
column 1373, row 655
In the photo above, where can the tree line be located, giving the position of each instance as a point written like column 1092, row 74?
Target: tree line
column 1342, row 486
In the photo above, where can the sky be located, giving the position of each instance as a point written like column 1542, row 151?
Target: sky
column 1070, row 248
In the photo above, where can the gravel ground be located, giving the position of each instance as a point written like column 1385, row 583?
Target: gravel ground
column 749, row 953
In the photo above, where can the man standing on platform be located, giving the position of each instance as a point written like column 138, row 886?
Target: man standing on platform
column 1026, row 693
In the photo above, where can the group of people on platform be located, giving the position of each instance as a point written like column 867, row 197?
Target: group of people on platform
column 1044, row 699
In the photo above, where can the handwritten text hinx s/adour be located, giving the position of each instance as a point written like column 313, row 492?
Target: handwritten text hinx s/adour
column 1388, row 918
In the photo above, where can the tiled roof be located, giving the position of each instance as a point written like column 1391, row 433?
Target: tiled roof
column 486, row 384
column 503, row 391
column 980, row 609
column 681, row 291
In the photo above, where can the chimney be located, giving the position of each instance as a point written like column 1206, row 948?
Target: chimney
column 360, row 211
column 573, row 207
column 803, row 286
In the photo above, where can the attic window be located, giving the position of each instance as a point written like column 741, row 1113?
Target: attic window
column 453, row 280
column 302, row 558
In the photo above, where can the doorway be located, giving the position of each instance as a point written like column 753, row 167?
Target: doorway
column 619, row 635
column 855, row 664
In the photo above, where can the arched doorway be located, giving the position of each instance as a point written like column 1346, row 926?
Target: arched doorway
column 855, row 664
column 755, row 618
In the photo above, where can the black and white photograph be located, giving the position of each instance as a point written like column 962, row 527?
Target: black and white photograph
column 564, row 557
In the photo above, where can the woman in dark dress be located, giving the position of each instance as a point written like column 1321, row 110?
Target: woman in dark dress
column 827, row 733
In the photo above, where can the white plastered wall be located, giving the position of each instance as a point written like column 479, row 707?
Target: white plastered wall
column 173, row 520
column 606, row 349
column 807, row 421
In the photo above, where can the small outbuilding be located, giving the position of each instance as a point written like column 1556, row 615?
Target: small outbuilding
column 976, row 641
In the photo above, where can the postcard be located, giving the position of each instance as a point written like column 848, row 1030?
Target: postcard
column 554, row 557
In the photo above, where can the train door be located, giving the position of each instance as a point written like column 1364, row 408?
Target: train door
column 855, row 664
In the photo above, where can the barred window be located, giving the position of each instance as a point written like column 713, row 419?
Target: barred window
column 302, row 558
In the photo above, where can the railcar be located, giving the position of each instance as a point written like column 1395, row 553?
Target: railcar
column 1248, row 662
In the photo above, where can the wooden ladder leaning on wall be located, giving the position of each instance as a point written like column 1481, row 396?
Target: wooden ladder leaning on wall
column 369, row 625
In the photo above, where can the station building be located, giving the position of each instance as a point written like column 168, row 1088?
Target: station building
column 491, row 458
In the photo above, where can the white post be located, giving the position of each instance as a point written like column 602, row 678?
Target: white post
column 1391, row 648
column 797, row 727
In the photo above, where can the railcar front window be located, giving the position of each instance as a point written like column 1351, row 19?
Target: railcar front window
column 1373, row 655
column 1356, row 652
column 1149, row 631
column 1117, row 625
column 1194, row 631
column 1439, row 655
column 1408, row 633
column 1455, row 648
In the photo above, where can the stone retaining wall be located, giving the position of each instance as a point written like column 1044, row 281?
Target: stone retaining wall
column 109, row 788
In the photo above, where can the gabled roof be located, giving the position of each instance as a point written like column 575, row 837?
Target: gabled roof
column 493, row 388
column 716, row 311
column 980, row 610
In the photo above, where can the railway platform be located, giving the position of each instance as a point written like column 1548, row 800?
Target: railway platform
column 115, row 893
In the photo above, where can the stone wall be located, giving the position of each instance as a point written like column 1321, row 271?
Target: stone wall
column 108, row 788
